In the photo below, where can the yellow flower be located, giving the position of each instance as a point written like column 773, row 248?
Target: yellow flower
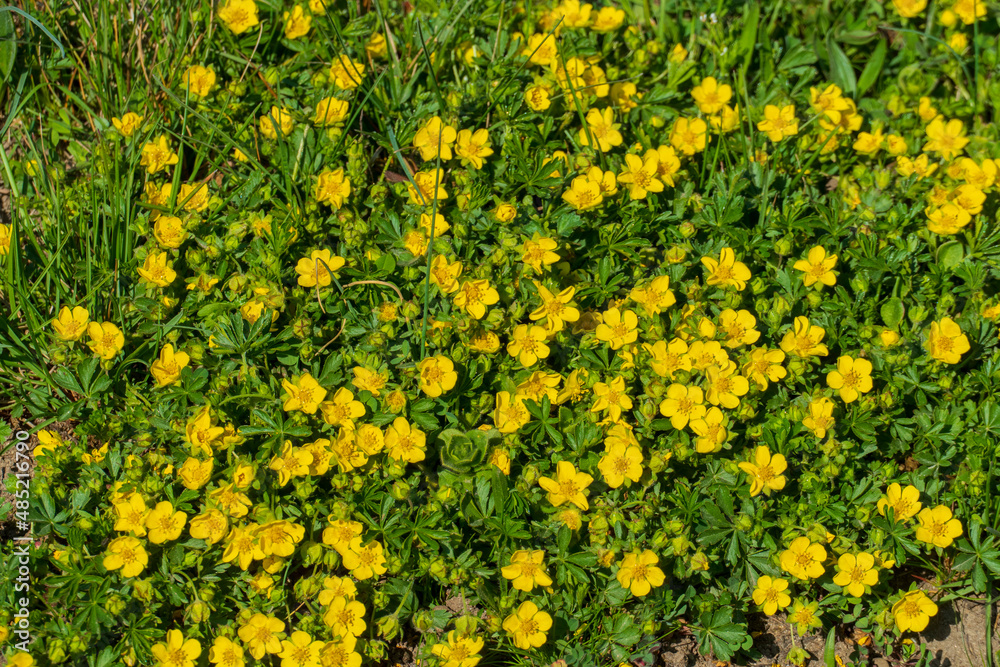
column 500, row 459
column 330, row 112
column 969, row 11
column 528, row 626
column 620, row 461
column 376, row 45
column 710, row 96
column 541, row 50
column 569, row 485
column 869, row 143
column 275, row 121
column 106, row 340
column 852, row 378
column 602, row 129
column 445, row 275
column 667, row 359
column 727, row 121
column 607, row 19
column 948, row 219
column 472, row 147
column 738, row 328
column 946, row 139
column 340, row 533
column 177, row 652
column 528, row 344
column 689, row 135
column 803, row 559
column 126, row 553
column 937, row 527
column 297, row 22
column 904, row 502
column 226, row 653
column 779, row 122
column 364, row 562
column 473, row 297
column 210, row 525
column 765, row 471
column 435, row 136
column 724, row 387
column 165, row 524
column 820, row 418
column 946, row 341
column 169, row 231
column 128, row 124
column 157, row 155
column 804, row 339
column 347, row 73
column 711, row 431
column 132, row 513
column 70, row 324
column 166, row 370
column 259, row 633
column 194, row 473
column 5, row 239
column 238, row 15
column 510, row 413
column 193, row 197
column 332, row 188
column 908, row 9
column 638, row 572
column 683, row 404
column 828, row 102
column 555, row 309
column 618, row 328
column 583, row 194
column 437, row 375
column 303, row 394
column 818, row 267
column 612, row 397
column 426, row 187
column 198, row 80
column 726, row 271
column 526, row 570
column 913, row 611
column 856, row 573
column 771, row 594
column 47, row 442
column 366, row 380
column 459, row 651
column 641, row 175
column 678, row 54
column 318, row 268
column 405, row 443
column 537, row 252
column 201, row 433
column 537, row 98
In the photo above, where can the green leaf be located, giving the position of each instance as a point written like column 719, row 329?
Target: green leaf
column 892, row 312
column 841, row 70
column 869, row 75
column 8, row 45
column 950, row 254
column 749, row 36
column 830, row 650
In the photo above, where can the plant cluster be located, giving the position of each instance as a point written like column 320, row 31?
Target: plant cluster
column 515, row 333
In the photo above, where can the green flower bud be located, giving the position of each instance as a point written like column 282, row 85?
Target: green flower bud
column 423, row 621
column 388, row 627
column 814, row 299
column 57, row 650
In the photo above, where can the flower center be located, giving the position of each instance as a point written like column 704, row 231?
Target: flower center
column 568, row 488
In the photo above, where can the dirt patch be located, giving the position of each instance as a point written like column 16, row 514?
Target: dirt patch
column 9, row 462
column 957, row 636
